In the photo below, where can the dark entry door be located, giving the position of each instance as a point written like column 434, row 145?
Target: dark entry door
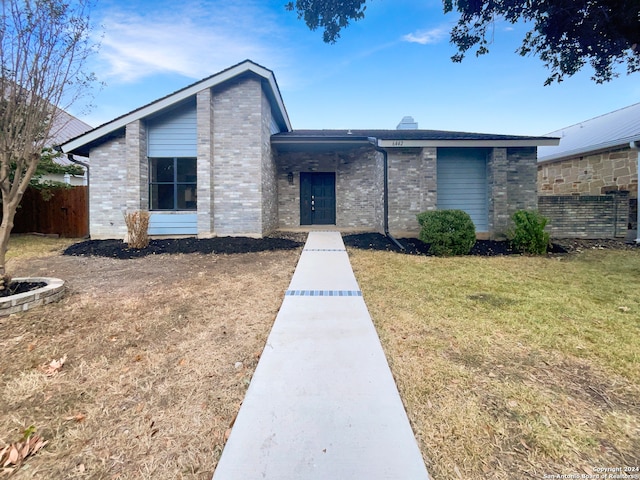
column 317, row 198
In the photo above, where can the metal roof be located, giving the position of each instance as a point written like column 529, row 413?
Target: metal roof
column 611, row 130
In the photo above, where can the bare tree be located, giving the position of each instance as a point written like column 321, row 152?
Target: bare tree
column 44, row 45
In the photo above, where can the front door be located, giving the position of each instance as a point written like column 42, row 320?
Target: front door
column 317, row 198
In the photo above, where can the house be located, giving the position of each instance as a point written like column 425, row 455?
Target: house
column 595, row 157
column 66, row 126
column 220, row 157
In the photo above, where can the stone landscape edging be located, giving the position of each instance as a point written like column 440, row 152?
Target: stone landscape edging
column 51, row 292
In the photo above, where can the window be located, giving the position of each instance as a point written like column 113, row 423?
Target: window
column 172, row 184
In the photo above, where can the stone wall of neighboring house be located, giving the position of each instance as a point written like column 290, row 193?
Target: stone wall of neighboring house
column 108, row 192
column 237, row 157
column 358, row 187
column 586, row 216
column 412, row 187
column 595, row 174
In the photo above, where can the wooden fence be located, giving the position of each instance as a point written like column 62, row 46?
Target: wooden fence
column 65, row 213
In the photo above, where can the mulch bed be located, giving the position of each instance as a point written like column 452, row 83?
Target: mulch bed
column 368, row 241
column 16, row 288
column 221, row 245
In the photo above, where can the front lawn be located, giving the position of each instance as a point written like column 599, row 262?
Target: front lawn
column 513, row 367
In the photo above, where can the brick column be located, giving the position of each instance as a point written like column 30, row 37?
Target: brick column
column 204, row 115
column 137, row 180
column 498, row 198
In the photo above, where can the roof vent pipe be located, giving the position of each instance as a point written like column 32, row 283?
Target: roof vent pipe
column 407, row 123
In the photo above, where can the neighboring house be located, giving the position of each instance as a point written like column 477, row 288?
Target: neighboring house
column 594, row 157
column 66, row 127
column 220, row 157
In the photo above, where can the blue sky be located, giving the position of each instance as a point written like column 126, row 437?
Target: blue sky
column 395, row 62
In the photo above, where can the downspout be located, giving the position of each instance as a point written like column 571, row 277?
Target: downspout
column 635, row 145
column 385, row 191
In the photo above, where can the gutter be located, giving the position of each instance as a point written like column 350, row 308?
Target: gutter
column 385, row 196
column 635, row 145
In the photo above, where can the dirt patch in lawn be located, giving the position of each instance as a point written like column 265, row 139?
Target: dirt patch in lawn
column 159, row 351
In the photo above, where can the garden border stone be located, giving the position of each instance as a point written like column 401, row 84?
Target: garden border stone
column 51, row 292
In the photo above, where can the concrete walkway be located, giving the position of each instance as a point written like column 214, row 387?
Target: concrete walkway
column 322, row 403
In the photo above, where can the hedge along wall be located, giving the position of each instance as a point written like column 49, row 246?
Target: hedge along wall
column 586, row 216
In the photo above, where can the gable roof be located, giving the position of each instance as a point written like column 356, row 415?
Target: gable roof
column 406, row 138
column 611, row 130
column 65, row 127
column 82, row 143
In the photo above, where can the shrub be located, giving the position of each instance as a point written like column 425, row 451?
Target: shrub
column 137, row 227
column 448, row 232
column 528, row 235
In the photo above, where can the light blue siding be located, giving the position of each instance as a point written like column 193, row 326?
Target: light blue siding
column 273, row 126
column 462, row 183
column 173, row 224
column 173, row 134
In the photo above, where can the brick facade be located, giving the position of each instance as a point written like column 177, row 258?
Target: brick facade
column 108, row 193
column 236, row 168
column 269, row 172
column 237, row 158
column 586, row 216
column 413, row 187
column 359, row 187
column 204, row 114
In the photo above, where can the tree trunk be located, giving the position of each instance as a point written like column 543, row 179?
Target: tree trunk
column 5, row 231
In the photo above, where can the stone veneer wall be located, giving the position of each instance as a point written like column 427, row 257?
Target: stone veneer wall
column 412, row 187
column 586, row 216
column 358, row 186
column 237, row 157
column 614, row 170
column 108, row 193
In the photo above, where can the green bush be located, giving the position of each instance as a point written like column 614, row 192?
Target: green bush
column 448, row 232
column 528, row 235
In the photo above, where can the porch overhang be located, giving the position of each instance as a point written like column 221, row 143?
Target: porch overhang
column 318, row 144
column 325, row 140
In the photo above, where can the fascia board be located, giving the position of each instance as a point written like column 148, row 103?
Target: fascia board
column 468, row 143
column 316, row 141
column 176, row 98
column 590, row 149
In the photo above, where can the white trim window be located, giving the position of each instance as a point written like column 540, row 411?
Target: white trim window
column 172, row 184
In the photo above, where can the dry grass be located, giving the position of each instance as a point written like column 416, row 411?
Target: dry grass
column 513, row 367
column 30, row 246
column 153, row 377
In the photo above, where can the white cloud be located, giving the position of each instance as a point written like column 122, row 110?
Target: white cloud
column 426, row 37
column 184, row 38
